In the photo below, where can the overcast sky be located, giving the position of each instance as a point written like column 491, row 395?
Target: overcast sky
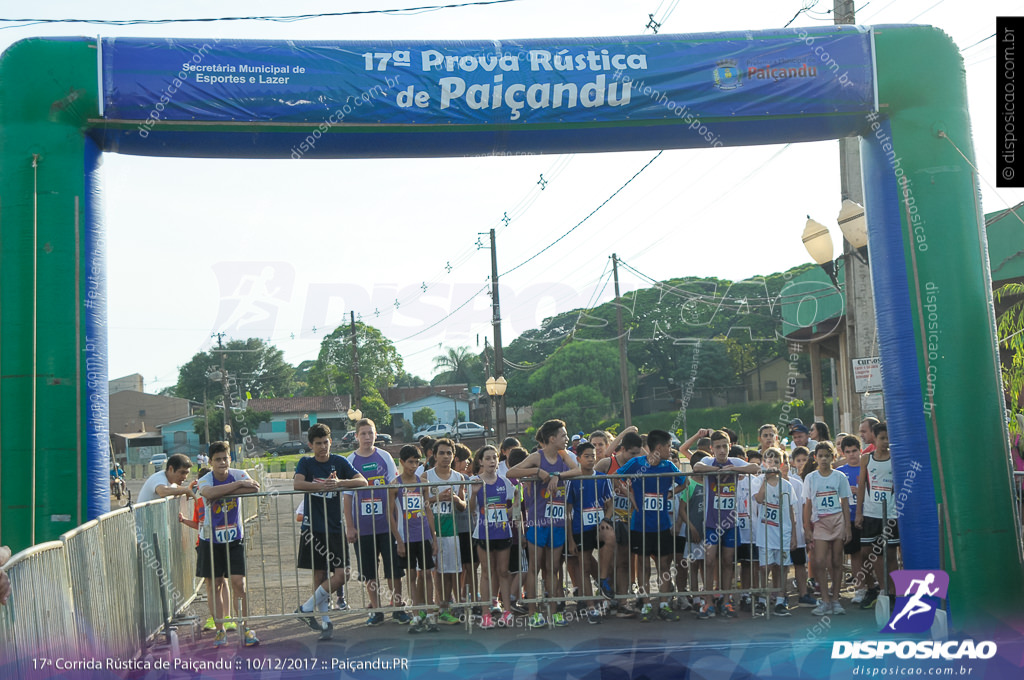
column 284, row 249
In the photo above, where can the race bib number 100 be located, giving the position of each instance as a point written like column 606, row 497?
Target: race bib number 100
column 555, row 511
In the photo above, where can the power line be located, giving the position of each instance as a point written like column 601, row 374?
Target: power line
column 580, row 223
column 276, row 18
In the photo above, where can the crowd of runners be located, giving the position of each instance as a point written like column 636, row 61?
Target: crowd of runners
column 578, row 529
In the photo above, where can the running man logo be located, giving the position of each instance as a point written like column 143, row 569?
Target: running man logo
column 915, row 609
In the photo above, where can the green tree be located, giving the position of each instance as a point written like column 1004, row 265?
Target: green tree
column 458, row 365
column 379, row 362
column 580, row 406
column 374, row 408
column 424, row 416
column 252, row 365
column 300, row 384
column 408, row 380
column 250, row 421
column 1010, row 330
column 594, row 364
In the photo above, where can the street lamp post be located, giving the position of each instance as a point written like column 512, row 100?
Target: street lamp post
column 858, row 335
column 496, row 389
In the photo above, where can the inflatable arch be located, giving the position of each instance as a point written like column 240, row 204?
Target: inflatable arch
column 901, row 89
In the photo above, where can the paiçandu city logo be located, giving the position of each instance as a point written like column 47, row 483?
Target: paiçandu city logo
column 918, row 592
column 728, row 75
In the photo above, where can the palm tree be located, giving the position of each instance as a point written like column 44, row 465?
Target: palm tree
column 458, row 365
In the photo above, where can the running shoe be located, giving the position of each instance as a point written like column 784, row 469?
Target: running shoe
column 858, row 596
column 519, row 609
column 250, row 638
column 720, row 606
column 606, row 589
column 594, row 617
column 837, row 608
column 417, row 625
column 537, row 621
column 326, row 631
column 869, row 598
column 823, row 609
column 745, row 603
column 209, row 625
column 401, row 617
column 375, row 619
column 447, row 619
column 220, row 639
column 760, row 608
column 507, row 620
column 807, row 600
column 730, row 611
column 647, row 613
column 230, row 625
column 684, row 604
column 625, row 611
column 705, row 612
column 781, row 610
column 309, row 620
column 487, row 621
column 558, row 618
column 666, row 613
column 342, row 605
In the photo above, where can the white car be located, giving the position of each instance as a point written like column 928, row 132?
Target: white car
column 437, row 431
column 159, row 461
column 469, row 430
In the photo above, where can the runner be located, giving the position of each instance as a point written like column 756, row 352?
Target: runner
column 491, row 497
column 828, row 496
column 412, row 522
column 850, row 446
column 587, row 500
column 445, row 499
column 879, row 487
column 774, row 532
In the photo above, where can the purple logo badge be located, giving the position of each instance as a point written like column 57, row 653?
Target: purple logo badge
column 921, row 591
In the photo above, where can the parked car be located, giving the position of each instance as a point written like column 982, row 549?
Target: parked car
column 289, row 448
column 437, row 431
column 383, row 439
column 675, row 441
column 469, row 430
column 159, row 461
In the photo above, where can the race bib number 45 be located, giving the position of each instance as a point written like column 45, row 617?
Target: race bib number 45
column 827, row 502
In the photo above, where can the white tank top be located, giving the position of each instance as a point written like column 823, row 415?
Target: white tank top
column 881, row 485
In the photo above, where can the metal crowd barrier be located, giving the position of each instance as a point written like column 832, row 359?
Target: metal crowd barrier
column 95, row 592
column 38, row 622
column 275, row 586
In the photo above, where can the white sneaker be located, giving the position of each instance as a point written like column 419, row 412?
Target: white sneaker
column 858, row 596
column 823, row 609
column 837, row 608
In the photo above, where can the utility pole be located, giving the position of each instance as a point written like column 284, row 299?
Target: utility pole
column 623, row 377
column 224, row 385
column 355, row 365
column 500, row 425
column 858, row 336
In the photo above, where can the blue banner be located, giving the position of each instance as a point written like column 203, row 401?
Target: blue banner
column 542, row 82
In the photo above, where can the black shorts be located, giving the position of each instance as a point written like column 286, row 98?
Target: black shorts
column 585, row 542
column 746, row 552
column 225, row 556
column 493, row 545
column 655, row 543
column 621, row 533
column 871, row 531
column 799, row 556
column 681, row 546
column 382, row 545
column 418, row 555
column 853, row 546
column 316, row 550
column 466, row 548
column 516, row 559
